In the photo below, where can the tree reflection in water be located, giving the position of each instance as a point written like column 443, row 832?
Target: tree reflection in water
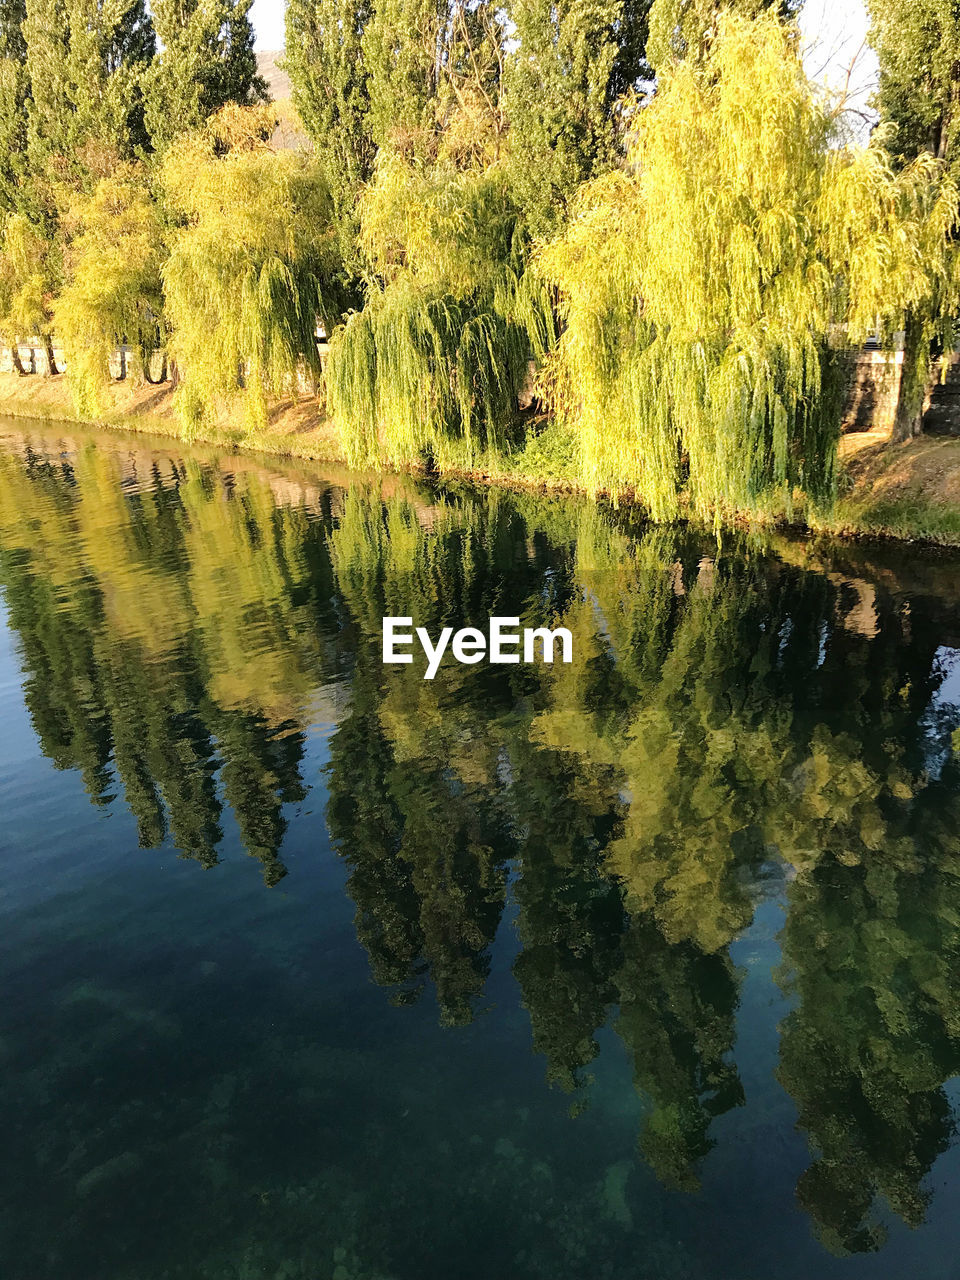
column 761, row 703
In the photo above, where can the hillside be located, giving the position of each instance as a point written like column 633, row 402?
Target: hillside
column 278, row 82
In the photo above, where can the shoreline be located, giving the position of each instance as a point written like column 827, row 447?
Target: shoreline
column 906, row 493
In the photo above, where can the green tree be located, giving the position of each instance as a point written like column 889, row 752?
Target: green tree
column 85, row 60
column 685, row 29
column 206, row 61
column 329, row 78
column 29, row 271
column 12, row 42
column 918, row 49
column 704, row 287
column 408, row 77
column 13, row 103
column 572, row 64
column 431, row 367
column 402, row 50
column 253, row 270
column 113, row 291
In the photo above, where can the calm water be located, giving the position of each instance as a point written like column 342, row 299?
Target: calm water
column 643, row 968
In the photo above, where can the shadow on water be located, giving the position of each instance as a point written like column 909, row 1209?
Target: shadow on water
column 201, row 1080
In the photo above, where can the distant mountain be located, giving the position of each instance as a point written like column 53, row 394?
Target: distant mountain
column 278, row 82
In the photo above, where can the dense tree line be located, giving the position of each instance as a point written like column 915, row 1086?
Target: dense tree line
column 645, row 205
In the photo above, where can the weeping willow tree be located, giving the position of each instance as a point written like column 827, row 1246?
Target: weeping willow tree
column 432, row 365
column 113, row 292
column 708, row 288
column 28, row 277
column 253, row 269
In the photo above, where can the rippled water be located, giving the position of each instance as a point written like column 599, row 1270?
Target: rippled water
column 643, row 967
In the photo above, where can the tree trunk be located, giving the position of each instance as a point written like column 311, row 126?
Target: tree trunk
column 915, row 379
column 155, row 382
column 52, row 369
column 17, row 362
column 174, row 374
column 122, row 376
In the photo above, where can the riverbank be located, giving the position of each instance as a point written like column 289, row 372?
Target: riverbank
column 295, row 429
column 908, row 492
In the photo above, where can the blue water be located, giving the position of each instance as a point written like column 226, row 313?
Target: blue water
column 644, row 967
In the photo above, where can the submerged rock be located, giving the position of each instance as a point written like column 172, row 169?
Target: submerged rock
column 103, row 1174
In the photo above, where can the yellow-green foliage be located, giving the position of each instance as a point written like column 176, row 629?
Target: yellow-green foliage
column 113, row 291
column 25, row 279
column 706, row 287
column 685, row 29
column 252, row 272
column 434, row 361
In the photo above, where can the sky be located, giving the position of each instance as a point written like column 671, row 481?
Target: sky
column 834, row 33
column 268, row 23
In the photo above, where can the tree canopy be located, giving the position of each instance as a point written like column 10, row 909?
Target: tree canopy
column 638, row 216
column 253, row 270
column 206, row 60
column 705, row 287
column 85, row 60
column 918, row 49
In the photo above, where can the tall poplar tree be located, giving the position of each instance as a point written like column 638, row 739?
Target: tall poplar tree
column 918, row 48
column 13, row 102
column 330, row 83
column 572, row 63
column 434, row 70
column 85, row 60
column 419, row 79
column 402, row 49
column 206, row 61
column 686, row 28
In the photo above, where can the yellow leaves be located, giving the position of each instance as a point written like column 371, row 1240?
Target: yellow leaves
column 703, row 286
column 443, row 225
column 25, row 278
column 433, row 363
column 112, row 292
column 251, row 272
column 890, row 231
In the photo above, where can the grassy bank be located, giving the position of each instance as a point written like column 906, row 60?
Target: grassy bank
column 909, row 492
column 295, row 429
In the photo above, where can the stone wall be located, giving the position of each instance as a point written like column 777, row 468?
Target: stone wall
column 874, row 390
column 871, row 404
column 33, row 357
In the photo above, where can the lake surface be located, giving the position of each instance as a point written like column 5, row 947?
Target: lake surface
column 642, row 967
